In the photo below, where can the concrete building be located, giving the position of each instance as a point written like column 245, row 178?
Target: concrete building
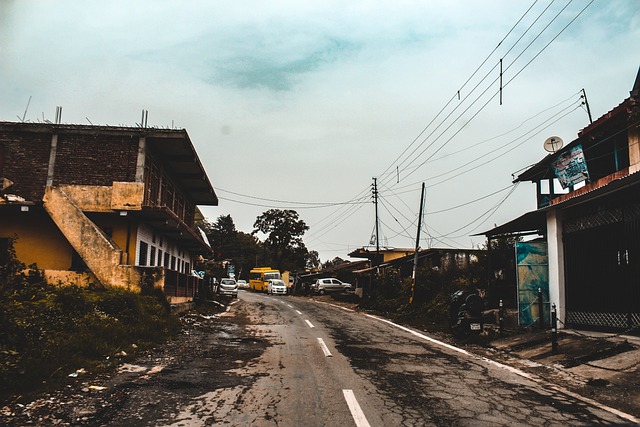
column 102, row 204
column 402, row 259
column 588, row 198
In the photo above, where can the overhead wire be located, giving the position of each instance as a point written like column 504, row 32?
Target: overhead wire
column 293, row 203
column 461, row 87
column 347, row 209
column 487, row 154
column 539, row 127
column 494, row 81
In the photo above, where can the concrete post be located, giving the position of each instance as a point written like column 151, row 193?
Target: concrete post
column 556, row 263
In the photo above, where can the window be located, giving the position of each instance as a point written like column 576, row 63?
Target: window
column 152, row 257
column 173, row 262
column 159, row 257
column 166, row 260
column 142, row 256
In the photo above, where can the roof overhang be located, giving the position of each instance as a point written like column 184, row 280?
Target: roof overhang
column 176, row 151
column 534, row 222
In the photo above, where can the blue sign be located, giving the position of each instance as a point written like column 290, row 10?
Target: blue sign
column 571, row 167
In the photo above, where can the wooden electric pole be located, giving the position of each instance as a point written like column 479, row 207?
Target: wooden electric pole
column 415, row 257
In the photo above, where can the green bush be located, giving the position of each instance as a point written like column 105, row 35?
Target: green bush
column 47, row 332
column 431, row 294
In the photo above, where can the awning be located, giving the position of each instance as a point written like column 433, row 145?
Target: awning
column 534, row 222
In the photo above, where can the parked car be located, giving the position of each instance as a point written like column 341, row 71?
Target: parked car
column 322, row 286
column 242, row 284
column 276, row 287
column 228, row 287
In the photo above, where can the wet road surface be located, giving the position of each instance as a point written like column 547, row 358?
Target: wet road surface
column 296, row 361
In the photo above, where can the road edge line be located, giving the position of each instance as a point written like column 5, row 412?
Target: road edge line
column 516, row 371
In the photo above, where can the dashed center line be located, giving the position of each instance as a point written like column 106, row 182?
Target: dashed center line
column 298, row 311
column 309, row 323
column 354, row 407
column 324, row 348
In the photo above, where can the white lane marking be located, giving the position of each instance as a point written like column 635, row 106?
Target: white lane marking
column 309, row 323
column 298, row 311
column 325, row 350
column 419, row 335
column 343, row 308
column 515, row 371
column 289, row 305
column 356, row 412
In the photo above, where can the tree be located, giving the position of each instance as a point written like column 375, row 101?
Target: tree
column 246, row 253
column 284, row 245
column 332, row 263
column 223, row 236
column 313, row 260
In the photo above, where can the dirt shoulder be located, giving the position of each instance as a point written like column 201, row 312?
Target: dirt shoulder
column 147, row 389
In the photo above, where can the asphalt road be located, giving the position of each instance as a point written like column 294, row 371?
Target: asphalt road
column 395, row 376
column 298, row 361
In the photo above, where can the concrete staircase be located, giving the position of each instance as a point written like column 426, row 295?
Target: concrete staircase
column 99, row 253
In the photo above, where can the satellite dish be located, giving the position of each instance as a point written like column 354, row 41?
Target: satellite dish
column 553, row 144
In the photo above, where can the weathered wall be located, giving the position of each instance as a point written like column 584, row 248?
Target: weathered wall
column 26, row 158
column 97, row 159
column 122, row 230
column 67, row 278
column 127, row 195
column 119, row 196
column 38, row 239
column 97, row 251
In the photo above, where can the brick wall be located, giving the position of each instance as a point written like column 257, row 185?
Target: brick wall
column 94, row 159
column 81, row 159
column 26, row 160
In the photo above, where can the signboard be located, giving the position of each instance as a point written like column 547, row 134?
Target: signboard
column 570, row 167
column 532, row 275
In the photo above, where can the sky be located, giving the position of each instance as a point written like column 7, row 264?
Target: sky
column 302, row 104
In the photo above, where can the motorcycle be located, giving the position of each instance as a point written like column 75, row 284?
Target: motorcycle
column 465, row 314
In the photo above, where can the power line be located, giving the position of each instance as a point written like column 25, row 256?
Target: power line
column 310, row 204
column 484, row 92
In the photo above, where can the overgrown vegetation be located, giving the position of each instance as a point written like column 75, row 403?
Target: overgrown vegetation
column 48, row 332
column 391, row 294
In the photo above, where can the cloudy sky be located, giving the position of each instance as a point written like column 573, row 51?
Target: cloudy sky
column 300, row 104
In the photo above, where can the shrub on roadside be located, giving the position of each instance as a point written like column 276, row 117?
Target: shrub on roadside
column 48, row 331
column 431, row 294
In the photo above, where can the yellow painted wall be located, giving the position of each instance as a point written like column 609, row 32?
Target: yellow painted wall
column 120, row 226
column 38, row 239
column 61, row 277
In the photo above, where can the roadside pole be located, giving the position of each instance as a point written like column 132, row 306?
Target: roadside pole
column 415, row 257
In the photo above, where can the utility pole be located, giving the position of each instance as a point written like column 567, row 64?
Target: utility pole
column 415, row 257
column 586, row 103
column 374, row 190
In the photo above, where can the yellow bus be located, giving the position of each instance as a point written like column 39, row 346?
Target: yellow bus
column 259, row 276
